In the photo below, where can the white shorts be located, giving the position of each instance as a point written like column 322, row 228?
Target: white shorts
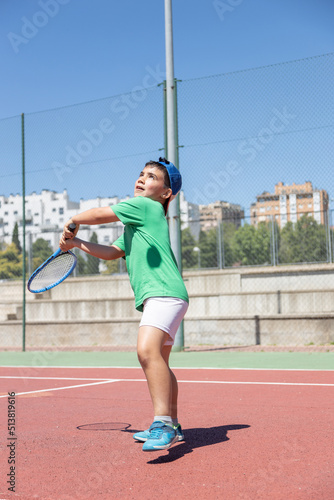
column 165, row 313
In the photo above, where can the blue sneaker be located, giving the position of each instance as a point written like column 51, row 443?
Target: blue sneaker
column 162, row 436
column 179, row 432
column 144, row 435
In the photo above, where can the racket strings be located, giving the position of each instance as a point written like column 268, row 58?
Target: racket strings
column 54, row 271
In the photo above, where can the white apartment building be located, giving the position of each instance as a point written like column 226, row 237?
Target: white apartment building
column 190, row 216
column 47, row 212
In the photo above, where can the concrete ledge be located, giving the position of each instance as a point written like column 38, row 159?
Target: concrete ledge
column 63, row 334
column 282, row 268
column 232, row 280
column 201, row 304
column 287, row 330
column 81, row 310
column 286, row 305
column 10, row 310
column 247, row 330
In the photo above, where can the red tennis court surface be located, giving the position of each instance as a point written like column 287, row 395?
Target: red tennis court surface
column 250, row 434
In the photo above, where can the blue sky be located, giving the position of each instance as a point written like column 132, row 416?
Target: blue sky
column 57, row 53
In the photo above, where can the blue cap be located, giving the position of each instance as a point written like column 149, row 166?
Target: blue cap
column 174, row 175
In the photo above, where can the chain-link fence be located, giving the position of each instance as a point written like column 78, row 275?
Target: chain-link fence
column 233, row 243
column 255, row 152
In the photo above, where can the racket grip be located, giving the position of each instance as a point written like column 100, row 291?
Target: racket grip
column 71, row 228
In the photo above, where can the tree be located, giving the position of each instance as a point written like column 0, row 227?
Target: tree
column 41, row 251
column 228, row 232
column 251, row 245
column 263, row 243
column 311, row 244
column 304, row 241
column 81, row 264
column 288, row 244
column 15, row 238
column 10, row 263
column 112, row 266
column 92, row 263
column 189, row 257
column 208, row 248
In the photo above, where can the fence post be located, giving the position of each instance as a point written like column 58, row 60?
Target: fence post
column 164, row 93
column 24, row 238
column 279, row 302
column 276, row 243
column 331, row 232
column 220, row 249
column 273, row 243
column 172, row 143
column 329, row 235
column 223, row 246
column 257, row 331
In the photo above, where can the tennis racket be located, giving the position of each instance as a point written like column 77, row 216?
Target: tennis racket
column 53, row 271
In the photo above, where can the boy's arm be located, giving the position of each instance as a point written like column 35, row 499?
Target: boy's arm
column 100, row 251
column 101, row 215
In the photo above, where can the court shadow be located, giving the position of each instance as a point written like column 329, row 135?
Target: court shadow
column 197, row 438
column 107, row 426
column 223, row 348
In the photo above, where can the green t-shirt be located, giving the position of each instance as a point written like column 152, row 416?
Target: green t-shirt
column 150, row 261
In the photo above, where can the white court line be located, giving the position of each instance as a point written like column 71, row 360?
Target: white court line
column 256, row 383
column 226, row 382
column 234, row 382
column 52, row 378
column 62, row 388
column 176, row 368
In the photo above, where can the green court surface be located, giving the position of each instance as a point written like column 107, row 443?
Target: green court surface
column 216, row 359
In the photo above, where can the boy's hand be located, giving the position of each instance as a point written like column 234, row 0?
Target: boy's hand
column 66, row 244
column 69, row 233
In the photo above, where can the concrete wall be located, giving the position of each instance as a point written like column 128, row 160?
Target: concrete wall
column 289, row 305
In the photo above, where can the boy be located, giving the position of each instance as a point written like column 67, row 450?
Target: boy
column 157, row 284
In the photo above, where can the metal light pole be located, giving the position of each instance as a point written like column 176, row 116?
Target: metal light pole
column 174, row 210
column 198, row 251
column 24, row 236
column 329, row 231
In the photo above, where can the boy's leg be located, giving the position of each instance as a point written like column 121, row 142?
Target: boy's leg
column 166, row 350
column 156, row 369
column 153, row 357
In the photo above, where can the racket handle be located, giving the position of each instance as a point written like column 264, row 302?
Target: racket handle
column 71, row 228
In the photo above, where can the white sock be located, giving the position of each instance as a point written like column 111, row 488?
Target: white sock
column 175, row 421
column 163, row 418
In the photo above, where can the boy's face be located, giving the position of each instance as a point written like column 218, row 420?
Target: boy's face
column 150, row 184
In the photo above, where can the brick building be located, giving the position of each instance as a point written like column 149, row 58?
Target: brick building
column 289, row 203
column 220, row 211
